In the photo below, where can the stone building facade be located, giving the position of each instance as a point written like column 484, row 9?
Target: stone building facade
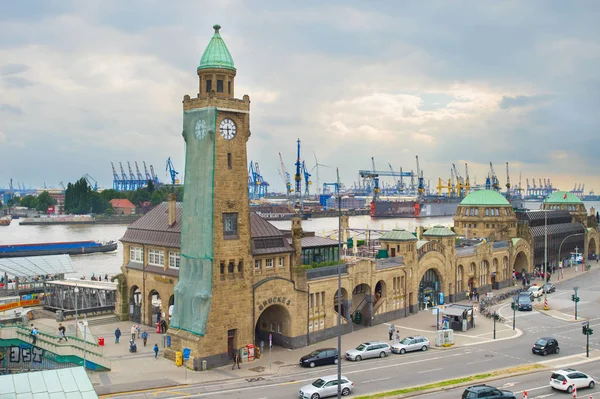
column 260, row 283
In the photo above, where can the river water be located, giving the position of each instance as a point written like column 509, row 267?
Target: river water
column 110, row 263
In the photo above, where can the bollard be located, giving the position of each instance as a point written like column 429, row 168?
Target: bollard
column 574, row 391
column 158, row 328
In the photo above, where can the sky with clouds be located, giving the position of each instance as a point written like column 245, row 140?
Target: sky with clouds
column 84, row 83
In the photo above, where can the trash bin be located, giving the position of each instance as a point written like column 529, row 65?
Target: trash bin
column 204, row 365
column 100, row 341
column 357, row 317
column 60, row 316
column 178, row 358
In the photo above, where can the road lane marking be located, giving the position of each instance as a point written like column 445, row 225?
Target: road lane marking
column 379, row 379
column 429, row 371
column 533, row 389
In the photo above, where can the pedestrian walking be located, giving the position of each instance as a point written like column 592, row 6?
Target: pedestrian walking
column 391, row 331
column 117, row 335
column 133, row 331
column 62, row 333
column 34, row 334
column 236, row 360
column 158, row 317
column 262, row 347
column 156, row 351
column 397, row 335
column 137, row 329
column 145, row 337
column 468, row 297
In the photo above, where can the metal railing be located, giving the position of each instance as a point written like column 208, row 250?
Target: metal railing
column 386, row 263
column 326, row 271
column 50, row 344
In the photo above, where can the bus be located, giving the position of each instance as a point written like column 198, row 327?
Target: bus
column 10, row 306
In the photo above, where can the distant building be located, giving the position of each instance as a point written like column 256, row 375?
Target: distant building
column 122, row 206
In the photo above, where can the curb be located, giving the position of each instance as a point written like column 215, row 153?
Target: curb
column 550, row 313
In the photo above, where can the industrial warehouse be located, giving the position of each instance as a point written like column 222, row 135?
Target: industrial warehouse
column 222, row 277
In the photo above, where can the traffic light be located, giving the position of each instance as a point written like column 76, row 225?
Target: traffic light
column 576, row 299
column 513, row 306
column 590, row 331
column 573, row 297
column 584, row 329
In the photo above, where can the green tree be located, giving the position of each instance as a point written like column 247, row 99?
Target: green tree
column 156, row 198
column 43, row 201
column 98, row 203
column 109, row 211
column 150, row 187
column 78, row 197
column 28, row 201
column 138, row 196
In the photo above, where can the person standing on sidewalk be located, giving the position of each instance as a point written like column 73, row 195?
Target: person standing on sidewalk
column 145, row 337
column 117, row 335
column 397, row 335
column 391, row 332
column 133, row 331
column 468, row 297
column 236, row 360
column 156, row 351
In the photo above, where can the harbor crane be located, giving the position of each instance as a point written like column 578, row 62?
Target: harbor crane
column 307, row 182
column 172, row 172
column 125, row 182
column 91, row 182
column 132, row 179
column 286, row 178
column 373, row 175
column 421, row 186
column 495, row 183
column 154, row 176
column 148, row 177
column 140, row 178
column 117, row 185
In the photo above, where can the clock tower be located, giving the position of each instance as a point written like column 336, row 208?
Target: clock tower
column 213, row 296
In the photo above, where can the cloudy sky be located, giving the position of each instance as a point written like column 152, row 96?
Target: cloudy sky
column 84, row 83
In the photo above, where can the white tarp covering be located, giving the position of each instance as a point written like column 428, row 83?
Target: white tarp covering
column 31, row 266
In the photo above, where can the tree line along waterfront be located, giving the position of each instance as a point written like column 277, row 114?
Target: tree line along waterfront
column 81, row 199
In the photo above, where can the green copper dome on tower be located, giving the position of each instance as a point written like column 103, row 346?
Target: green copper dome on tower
column 216, row 55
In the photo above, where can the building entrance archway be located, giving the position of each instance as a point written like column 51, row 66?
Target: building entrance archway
column 344, row 303
column 592, row 249
column 362, row 303
column 135, row 304
column 430, row 288
column 275, row 320
column 153, row 307
column 521, row 265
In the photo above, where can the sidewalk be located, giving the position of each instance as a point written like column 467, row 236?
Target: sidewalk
column 140, row 371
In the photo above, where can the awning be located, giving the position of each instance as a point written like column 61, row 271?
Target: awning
column 32, row 266
column 453, row 311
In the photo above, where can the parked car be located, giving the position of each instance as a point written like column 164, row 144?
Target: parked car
column 487, row 392
column 411, row 344
column 369, row 350
column 545, row 345
column 319, row 357
column 536, row 291
column 566, row 379
column 548, row 288
column 324, row 387
column 524, row 302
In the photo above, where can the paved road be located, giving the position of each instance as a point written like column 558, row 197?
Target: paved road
column 397, row 371
column 536, row 385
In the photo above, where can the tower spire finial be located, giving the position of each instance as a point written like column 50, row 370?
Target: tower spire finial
column 216, row 27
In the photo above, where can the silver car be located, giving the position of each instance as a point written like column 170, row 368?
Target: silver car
column 369, row 350
column 324, row 387
column 411, row 344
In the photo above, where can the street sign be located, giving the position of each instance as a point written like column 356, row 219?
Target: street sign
column 186, row 353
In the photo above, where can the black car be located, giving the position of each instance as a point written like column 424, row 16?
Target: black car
column 320, row 357
column 486, row 391
column 545, row 345
column 524, row 302
column 548, row 288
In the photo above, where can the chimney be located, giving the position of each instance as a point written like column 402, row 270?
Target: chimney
column 172, row 209
column 297, row 240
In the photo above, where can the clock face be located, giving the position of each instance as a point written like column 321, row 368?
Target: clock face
column 227, row 127
column 200, row 130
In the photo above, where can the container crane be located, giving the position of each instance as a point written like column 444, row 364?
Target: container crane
column 467, row 182
column 140, row 177
column 172, row 172
column 495, row 183
column 117, row 185
column 148, row 177
column 125, row 181
column 132, row 179
column 154, row 177
column 253, row 181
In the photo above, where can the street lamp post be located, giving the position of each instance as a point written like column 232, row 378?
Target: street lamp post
column 495, row 317
column 515, row 305
column 76, row 312
column 545, row 257
column 576, row 299
column 339, row 273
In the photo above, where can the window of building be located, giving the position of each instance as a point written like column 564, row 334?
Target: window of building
column 156, row 257
column 222, row 267
column 230, row 225
column 281, row 261
column 257, row 264
column 228, row 87
column 208, row 86
column 228, row 160
column 240, row 266
column 174, row 259
column 269, row 263
column 487, row 226
column 219, row 86
column 136, row 254
column 230, row 267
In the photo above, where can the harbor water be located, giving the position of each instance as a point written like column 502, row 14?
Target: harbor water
column 110, row 263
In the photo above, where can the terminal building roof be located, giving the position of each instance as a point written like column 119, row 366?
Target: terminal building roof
column 33, row 266
column 439, row 231
column 71, row 383
column 562, row 197
column 398, row 235
column 485, row 198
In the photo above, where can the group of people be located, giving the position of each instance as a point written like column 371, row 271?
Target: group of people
column 136, row 332
column 97, row 278
column 391, row 331
column 473, row 295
